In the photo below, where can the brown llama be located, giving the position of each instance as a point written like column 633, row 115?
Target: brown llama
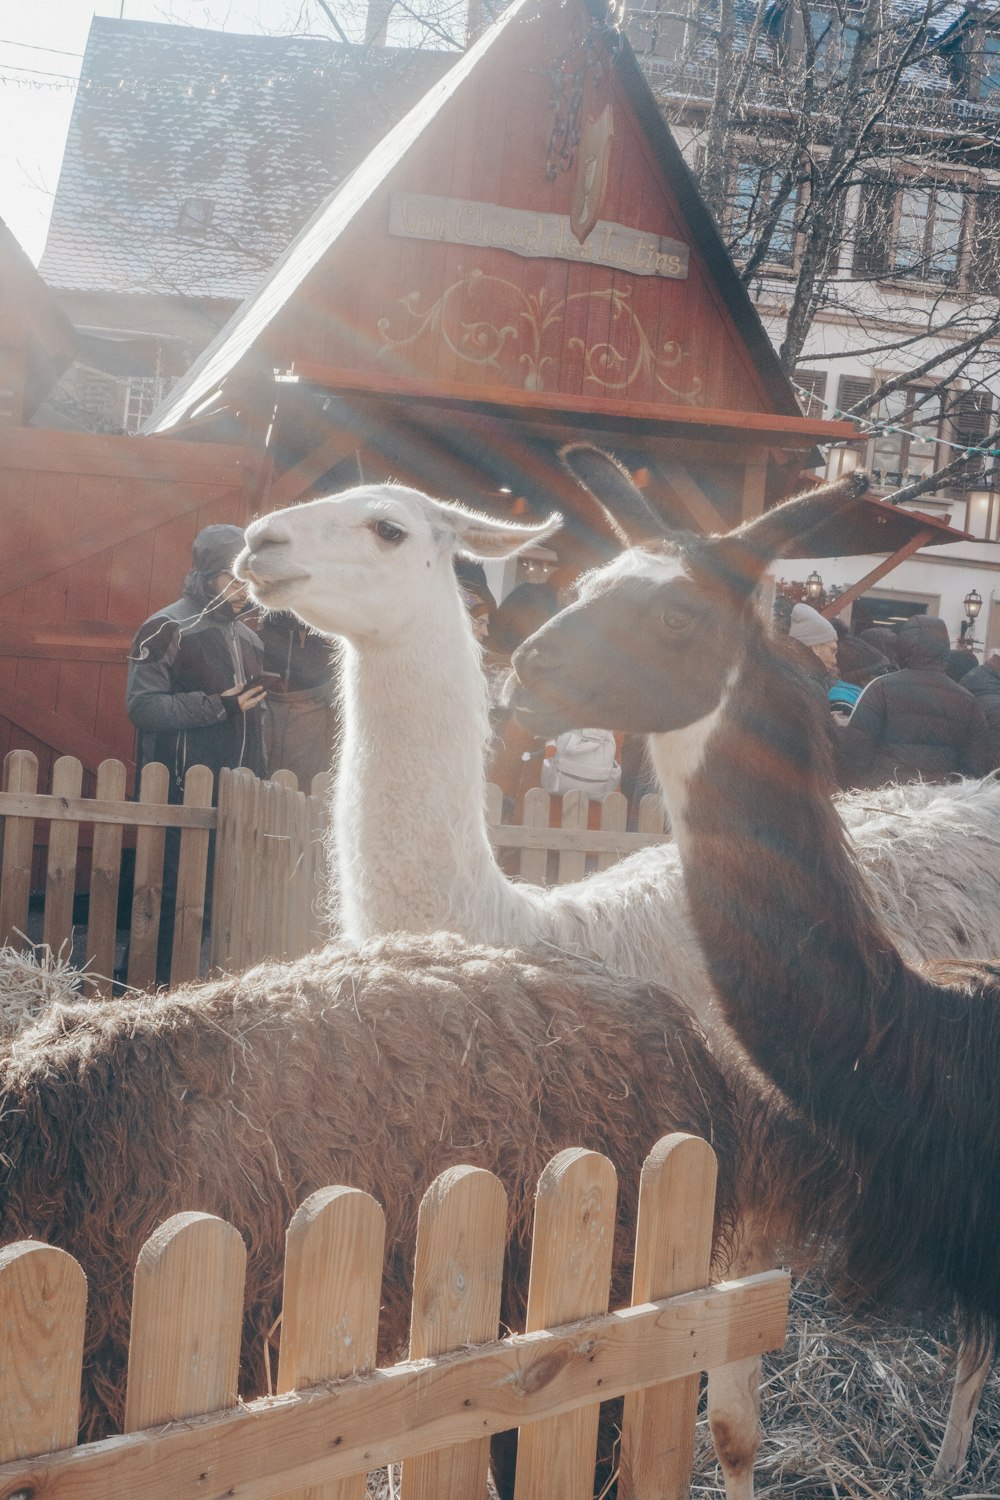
column 895, row 1064
column 376, row 1068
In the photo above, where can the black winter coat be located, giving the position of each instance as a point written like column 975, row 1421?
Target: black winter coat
column 984, row 684
column 182, row 659
column 916, row 723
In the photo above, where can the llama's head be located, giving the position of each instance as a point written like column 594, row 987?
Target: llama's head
column 371, row 562
column 654, row 637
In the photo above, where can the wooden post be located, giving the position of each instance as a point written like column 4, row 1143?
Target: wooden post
column 673, row 1253
column 575, row 813
column 43, row 1304
column 187, row 1316
column 534, row 862
column 106, row 860
column 457, row 1282
column 614, row 818
column 571, row 1251
column 60, row 877
column 189, row 911
column 20, row 774
column 330, row 1305
column 147, row 888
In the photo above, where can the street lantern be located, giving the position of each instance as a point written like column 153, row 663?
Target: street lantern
column 973, row 604
column 814, row 587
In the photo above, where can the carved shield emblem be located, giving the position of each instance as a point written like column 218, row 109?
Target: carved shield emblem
column 592, row 173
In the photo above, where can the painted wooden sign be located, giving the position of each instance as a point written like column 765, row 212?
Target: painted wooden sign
column 460, row 221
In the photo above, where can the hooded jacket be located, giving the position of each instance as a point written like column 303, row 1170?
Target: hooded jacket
column 183, row 658
column 984, row 685
column 916, row 723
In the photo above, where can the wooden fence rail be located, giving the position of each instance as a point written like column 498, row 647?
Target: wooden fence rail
column 434, row 1412
column 268, row 882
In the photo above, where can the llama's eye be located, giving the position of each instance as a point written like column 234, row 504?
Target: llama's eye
column 676, row 619
column 388, row 531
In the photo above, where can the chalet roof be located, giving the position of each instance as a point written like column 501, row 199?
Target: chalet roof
column 871, row 525
column 175, row 125
column 31, row 322
column 331, row 221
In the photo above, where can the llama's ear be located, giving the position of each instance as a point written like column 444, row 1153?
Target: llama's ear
column 793, row 523
column 481, row 536
column 611, row 486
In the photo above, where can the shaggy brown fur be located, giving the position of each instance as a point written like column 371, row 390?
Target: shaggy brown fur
column 376, row 1069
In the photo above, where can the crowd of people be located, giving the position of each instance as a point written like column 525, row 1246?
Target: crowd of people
column 904, row 705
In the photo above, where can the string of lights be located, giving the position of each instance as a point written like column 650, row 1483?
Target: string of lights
column 872, row 427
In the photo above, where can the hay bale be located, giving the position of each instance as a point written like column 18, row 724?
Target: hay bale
column 29, row 983
column 377, row 1069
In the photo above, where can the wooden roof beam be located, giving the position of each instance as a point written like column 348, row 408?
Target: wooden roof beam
column 838, row 605
column 773, row 427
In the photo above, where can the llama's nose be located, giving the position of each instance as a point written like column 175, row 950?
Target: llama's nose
column 267, row 532
column 528, row 664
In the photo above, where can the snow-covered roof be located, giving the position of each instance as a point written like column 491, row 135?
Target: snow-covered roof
column 194, row 156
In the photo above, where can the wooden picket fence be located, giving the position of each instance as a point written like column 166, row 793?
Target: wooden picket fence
column 269, row 875
column 435, row 1412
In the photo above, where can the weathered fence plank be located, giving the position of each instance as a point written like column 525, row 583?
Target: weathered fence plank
column 43, row 1302
column 571, row 1249
column 457, row 1282
column 187, row 1316
column 330, row 1303
column 20, row 777
column 673, row 1253
column 573, row 862
column 192, row 870
column 534, row 860
column 106, row 860
column 60, row 876
column 147, row 887
column 614, row 819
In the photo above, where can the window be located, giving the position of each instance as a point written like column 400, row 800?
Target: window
column 763, row 201
column 195, row 215
column 907, row 447
column 928, row 232
column 835, row 39
column 984, row 266
column 911, row 229
column 142, row 395
column 989, row 66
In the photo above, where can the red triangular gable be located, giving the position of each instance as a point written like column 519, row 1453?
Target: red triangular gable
column 449, row 257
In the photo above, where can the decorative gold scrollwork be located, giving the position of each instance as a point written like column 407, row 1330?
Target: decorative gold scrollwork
column 486, row 320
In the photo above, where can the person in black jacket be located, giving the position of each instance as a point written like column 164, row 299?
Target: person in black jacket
column 916, row 723
column 984, row 685
column 194, row 693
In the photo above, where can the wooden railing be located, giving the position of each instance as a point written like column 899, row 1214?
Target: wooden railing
column 268, row 890
column 268, row 876
column 435, row 1414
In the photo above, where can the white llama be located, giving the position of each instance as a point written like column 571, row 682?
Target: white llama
column 411, row 849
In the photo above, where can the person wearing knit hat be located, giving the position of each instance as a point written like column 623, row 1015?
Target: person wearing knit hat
column 809, row 627
column 194, row 692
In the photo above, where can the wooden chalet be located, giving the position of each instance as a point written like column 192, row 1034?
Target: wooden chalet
column 523, row 260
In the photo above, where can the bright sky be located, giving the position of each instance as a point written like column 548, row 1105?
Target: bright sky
column 41, row 48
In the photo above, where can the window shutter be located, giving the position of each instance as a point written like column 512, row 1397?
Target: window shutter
column 852, row 389
column 873, row 235
column 813, row 383
column 972, row 418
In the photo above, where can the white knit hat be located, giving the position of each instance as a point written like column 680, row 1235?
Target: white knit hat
column 809, row 626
